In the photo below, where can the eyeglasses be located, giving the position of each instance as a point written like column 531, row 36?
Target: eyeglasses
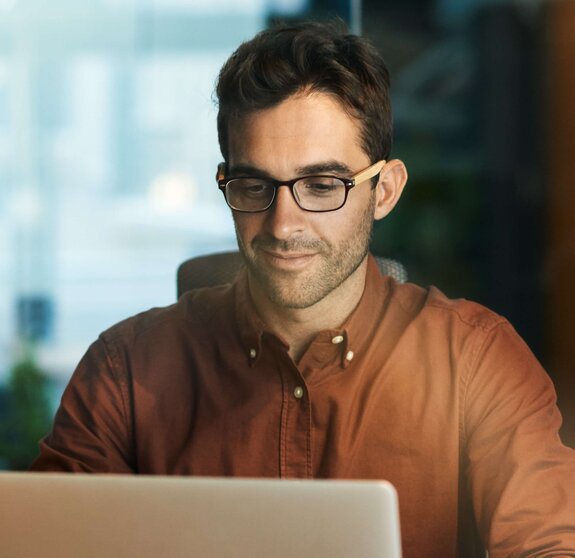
column 312, row 193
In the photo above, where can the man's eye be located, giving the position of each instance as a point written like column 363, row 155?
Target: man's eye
column 254, row 190
column 320, row 187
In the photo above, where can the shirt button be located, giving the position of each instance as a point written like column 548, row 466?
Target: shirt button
column 337, row 339
column 298, row 392
column 349, row 356
column 253, row 353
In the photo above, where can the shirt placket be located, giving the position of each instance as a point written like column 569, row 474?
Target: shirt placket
column 295, row 429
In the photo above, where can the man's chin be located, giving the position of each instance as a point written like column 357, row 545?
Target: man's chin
column 287, row 300
column 285, row 289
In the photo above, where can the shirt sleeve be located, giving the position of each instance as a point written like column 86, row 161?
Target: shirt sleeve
column 521, row 477
column 92, row 431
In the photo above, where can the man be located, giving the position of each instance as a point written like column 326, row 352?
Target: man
column 312, row 364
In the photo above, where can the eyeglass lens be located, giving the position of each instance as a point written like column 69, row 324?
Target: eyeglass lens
column 313, row 193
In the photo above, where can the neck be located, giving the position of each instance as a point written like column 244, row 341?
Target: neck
column 299, row 326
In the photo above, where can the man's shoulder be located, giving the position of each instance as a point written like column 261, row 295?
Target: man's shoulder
column 431, row 302
column 197, row 308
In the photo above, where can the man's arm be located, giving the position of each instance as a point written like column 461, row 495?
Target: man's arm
column 522, row 479
column 92, row 429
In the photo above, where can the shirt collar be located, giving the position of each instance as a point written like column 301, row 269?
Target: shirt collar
column 349, row 340
column 251, row 327
column 359, row 326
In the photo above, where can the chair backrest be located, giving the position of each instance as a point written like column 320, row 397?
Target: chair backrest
column 222, row 268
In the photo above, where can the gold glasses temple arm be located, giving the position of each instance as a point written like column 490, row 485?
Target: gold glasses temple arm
column 369, row 172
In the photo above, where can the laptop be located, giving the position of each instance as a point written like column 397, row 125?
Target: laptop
column 108, row 516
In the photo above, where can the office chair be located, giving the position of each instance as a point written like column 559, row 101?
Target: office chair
column 222, row 268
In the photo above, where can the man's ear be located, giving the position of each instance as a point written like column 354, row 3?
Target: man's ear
column 389, row 187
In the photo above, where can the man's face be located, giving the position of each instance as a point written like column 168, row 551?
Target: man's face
column 295, row 258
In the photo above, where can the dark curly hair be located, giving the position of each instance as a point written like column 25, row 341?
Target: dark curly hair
column 315, row 57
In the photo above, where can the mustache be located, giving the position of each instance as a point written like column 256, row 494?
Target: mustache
column 268, row 242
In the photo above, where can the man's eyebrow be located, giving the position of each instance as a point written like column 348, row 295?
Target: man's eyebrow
column 330, row 167
column 247, row 170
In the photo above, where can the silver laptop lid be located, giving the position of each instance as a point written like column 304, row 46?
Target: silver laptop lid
column 106, row 516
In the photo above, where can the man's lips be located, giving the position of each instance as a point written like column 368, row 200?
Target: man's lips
column 288, row 259
column 288, row 255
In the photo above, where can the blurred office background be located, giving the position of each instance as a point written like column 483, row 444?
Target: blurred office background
column 108, row 151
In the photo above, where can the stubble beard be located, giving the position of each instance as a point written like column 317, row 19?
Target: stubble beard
column 337, row 262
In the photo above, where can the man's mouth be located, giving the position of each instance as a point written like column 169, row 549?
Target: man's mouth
column 287, row 260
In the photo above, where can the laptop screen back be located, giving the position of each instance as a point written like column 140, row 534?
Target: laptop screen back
column 105, row 516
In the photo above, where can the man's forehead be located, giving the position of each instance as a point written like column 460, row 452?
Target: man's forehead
column 304, row 134
column 307, row 98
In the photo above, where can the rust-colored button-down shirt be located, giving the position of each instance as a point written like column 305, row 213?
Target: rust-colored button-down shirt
column 440, row 397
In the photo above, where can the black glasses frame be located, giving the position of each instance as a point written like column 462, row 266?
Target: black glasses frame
column 349, row 183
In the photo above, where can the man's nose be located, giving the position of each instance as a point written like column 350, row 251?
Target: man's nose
column 285, row 217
